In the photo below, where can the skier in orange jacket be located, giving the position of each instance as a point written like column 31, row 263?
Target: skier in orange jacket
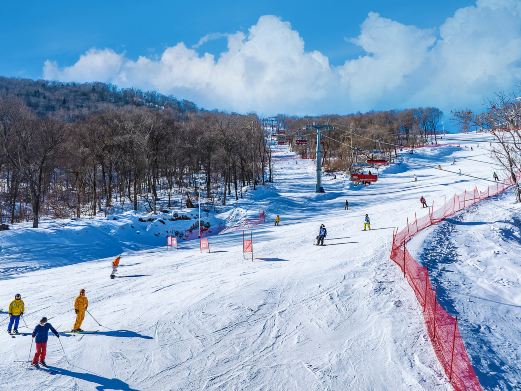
column 80, row 306
column 115, row 264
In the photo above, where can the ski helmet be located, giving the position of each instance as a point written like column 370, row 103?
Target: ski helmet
column 44, row 320
column 18, row 296
column 82, row 291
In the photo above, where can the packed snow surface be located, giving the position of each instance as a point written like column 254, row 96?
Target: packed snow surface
column 297, row 317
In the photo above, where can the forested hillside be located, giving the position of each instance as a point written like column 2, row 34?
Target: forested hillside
column 74, row 99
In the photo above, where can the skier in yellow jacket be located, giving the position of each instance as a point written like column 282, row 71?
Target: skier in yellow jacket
column 16, row 309
column 80, row 306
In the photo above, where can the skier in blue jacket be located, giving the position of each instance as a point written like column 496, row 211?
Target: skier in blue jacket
column 322, row 233
column 41, row 335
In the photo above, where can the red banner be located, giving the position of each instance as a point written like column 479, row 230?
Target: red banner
column 204, row 245
column 247, row 246
column 171, row 241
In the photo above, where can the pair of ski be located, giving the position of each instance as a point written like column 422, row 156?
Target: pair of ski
column 43, row 367
column 80, row 332
column 14, row 335
column 40, row 366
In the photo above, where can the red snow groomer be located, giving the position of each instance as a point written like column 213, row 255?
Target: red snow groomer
column 365, row 179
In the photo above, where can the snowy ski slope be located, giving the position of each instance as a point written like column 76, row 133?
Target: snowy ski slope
column 300, row 317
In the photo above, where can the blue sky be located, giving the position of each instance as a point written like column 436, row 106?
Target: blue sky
column 328, row 56
column 33, row 31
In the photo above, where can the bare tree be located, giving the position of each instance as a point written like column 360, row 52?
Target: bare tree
column 32, row 146
column 504, row 118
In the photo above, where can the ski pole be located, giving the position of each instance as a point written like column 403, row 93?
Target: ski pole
column 25, row 323
column 31, row 349
column 64, row 354
column 3, row 320
column 99, row 324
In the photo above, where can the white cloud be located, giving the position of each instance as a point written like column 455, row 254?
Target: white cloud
column 208, row 38
column 92, row 66
column 474, row 53
column 394, row 53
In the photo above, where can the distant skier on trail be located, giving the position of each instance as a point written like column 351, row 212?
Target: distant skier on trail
column 496, row 178
column 40, row 336
column 346, row 206
column 115, row 264
column 322, row 233
column 423, row 202
column 80, row 306
column 277, row 220
column 16, row 310
column 367, row 223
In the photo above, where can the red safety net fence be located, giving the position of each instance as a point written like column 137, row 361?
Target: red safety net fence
column 441, row 326
column 246, row 223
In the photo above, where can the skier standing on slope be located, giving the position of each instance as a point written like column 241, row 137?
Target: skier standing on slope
column 16, row 310
column 346, row 206
column 322, row 233
column 277, row 220
column 80, row 306
column 496, row 178
column 115, row 264
column 424, row 202
column 40, row 336
column 367, row 223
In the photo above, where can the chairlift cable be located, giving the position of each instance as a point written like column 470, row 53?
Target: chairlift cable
column 468, row 175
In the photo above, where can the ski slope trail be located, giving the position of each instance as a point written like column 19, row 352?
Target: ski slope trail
column 474, row 263
column 299, row 317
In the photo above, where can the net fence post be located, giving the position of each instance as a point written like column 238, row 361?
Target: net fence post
column 453, row 345
column 454, row 207
column 434, row 317
column 425, row 292
column 404, row 258
column 416, row 221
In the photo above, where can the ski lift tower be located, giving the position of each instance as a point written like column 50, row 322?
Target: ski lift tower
column 318, row 129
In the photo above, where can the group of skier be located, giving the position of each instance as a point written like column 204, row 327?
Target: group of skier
column 322, row 232
column 40, row 333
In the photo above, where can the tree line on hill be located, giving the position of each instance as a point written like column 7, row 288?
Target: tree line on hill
column 86, row 159
column 73, row 150
column 352, row 139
